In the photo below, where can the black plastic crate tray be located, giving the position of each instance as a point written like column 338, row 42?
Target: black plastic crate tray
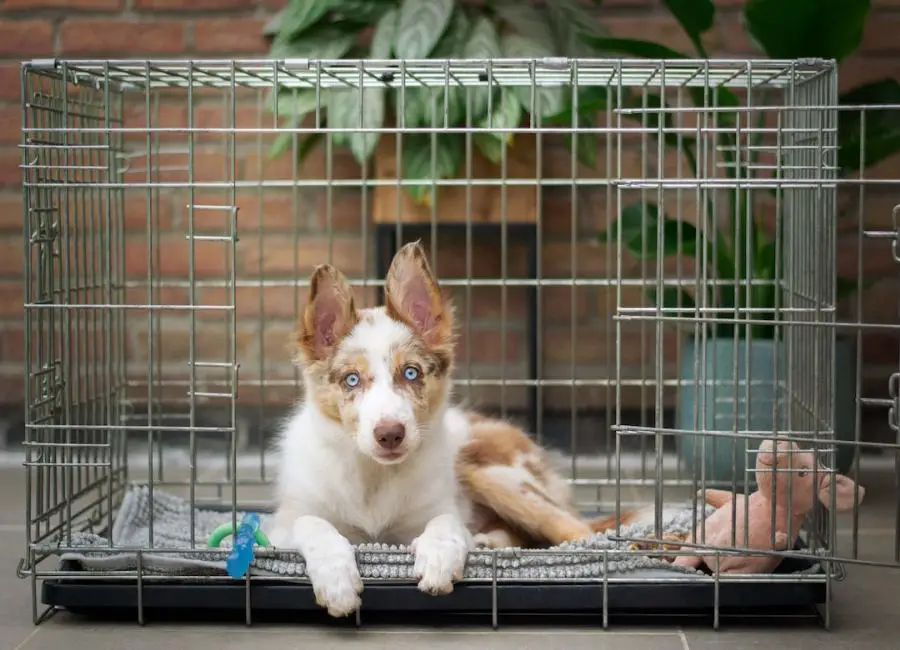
column 161, row 599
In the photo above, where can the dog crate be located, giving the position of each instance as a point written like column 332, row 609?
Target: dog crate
column 644, row 257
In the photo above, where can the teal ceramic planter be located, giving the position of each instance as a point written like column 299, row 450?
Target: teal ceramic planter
column 714, row 397
column 709, row 402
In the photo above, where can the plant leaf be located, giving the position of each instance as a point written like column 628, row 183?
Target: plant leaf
column 424, row 162
column 695, row 16
column 506, row 113
column 295, row 101
column 588, row 143
column 794, row 29
column 363, row 11
column 881, row 138
column 632, row 47
column 451, row 46
column 330, row 41
column 527, row 20
column 357, row 108
column 569, row 20
column 383, row 37
column 639, row 223
column 548, row 100
column 483, row 44
column 483, row 41
column 420, row 25
column 299, row 15
column 531, row 38
column 489, row 146
column 306, row 143
column 591, row 100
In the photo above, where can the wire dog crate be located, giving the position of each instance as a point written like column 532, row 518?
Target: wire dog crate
column 167, row 251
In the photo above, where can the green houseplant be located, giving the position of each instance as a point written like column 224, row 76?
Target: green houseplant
column 783, row 29
column 421, row 29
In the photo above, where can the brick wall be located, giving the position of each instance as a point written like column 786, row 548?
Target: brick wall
column 220, row 28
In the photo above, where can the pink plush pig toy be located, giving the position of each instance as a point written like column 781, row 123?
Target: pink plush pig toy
column 772, row 472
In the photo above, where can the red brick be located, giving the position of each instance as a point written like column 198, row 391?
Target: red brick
column 313, row 167
column 11, row 260
column 117, row 36
column 140, row 296
column 860, row 69
column 22, row 38
column 172, row 167
column 10, row 124
column 209, row 258
column 72, row 5
column 12, row 343
column 12, row 298
column 135, row 217
column 11, row 213
column 218, row 115
column 211, row 340
column 12, row 386
column 660, row 29
column 486, row 346
column 591, row 346
column 192, row 5
column 229, row 36
column 278, row 301
column 881, row 33
column 277, row 257
column 346, row 210
column 168, row 115
column 10, row 82
column 273, row 209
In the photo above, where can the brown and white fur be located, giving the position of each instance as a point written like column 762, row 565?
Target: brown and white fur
column 376, row 452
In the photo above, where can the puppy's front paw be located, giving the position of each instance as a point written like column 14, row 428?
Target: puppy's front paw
column 439, row 562
column 336, row 583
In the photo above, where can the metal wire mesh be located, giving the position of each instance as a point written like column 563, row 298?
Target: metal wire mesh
column 166, row 256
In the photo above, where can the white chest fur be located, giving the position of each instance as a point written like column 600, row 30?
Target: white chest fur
column 321, row 473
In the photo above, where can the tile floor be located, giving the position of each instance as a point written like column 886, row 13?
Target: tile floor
column 866, row 611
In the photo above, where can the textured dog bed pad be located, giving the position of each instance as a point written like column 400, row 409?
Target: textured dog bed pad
column 172, row 532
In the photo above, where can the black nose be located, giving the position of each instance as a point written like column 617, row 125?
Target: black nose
column 389, row 434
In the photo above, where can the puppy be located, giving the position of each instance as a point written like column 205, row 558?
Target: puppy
column 376, row 452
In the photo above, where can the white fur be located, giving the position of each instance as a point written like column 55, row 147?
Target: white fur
column 332, row 492
column 375, row 339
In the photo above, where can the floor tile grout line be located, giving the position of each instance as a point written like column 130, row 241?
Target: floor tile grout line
column 28, row 638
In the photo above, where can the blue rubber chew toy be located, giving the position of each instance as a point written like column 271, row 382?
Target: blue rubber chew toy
column 248, row 533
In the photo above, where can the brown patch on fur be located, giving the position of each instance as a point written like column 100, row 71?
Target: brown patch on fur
column 674, row 544
column 492, row 525
column 428, row 391
column 537, row 509
column 494, row 442
column 603, row 524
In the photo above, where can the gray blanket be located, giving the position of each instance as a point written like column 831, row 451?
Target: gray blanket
column 171, row 533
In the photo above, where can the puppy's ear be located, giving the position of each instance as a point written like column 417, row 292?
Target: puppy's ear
column 413, row 297
column 328, row 316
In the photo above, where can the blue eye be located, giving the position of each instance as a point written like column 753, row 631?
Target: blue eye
column 352, row 380
column 411, row 373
